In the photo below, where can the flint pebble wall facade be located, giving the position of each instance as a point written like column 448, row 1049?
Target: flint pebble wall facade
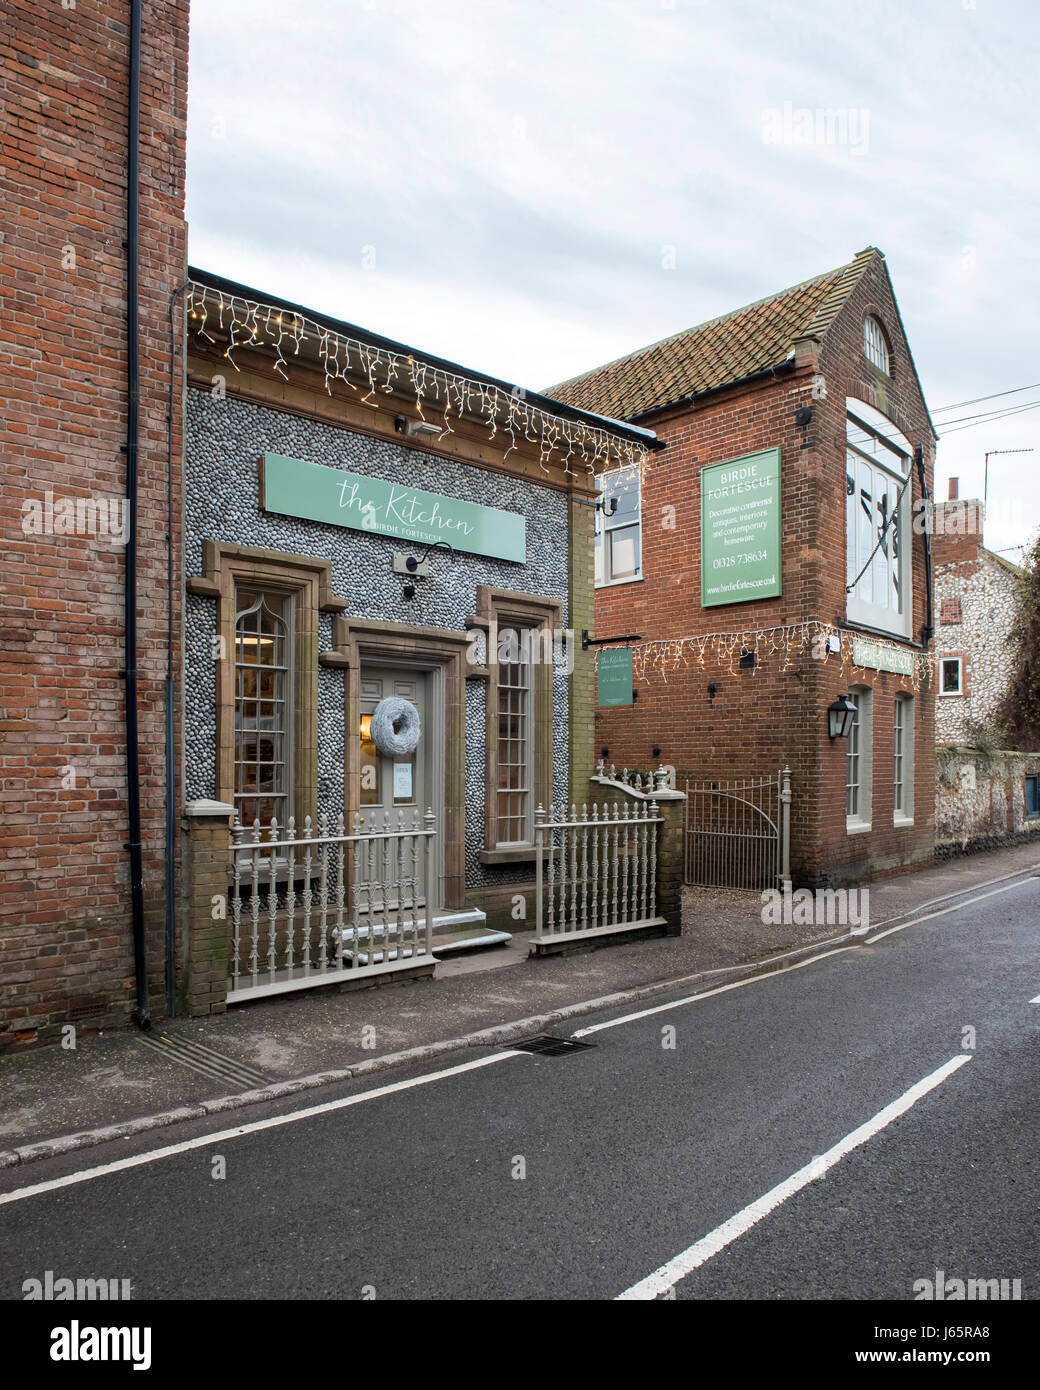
column 224, row 438
column 987, row 591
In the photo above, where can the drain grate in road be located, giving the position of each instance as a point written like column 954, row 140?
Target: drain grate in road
column 545, row 1045
column 204, row 1060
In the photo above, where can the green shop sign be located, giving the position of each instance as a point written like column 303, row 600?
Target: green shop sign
column 316, row 493
column 614, row 676
column 876, row 656
column 740, row 529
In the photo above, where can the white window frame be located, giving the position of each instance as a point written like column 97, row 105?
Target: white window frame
column 875, row 345
column 1030, row 777
column 951, row 694
column 859, row 763
column 605, row 526
column 878, row 456
column 903, row 768
column 524, row 696
column 286, row 796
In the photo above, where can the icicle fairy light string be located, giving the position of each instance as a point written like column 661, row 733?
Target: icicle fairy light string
column 789, row 642
column 566, row 442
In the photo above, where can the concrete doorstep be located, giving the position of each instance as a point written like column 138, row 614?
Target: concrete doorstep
column 116, row 1085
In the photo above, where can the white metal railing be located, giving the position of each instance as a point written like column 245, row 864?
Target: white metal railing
column 595, row 873
column 641, row 785
column 310, row 908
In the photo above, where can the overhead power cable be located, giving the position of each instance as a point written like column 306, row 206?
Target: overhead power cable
column 940, row 409
column 972, row 424
column 991, row 414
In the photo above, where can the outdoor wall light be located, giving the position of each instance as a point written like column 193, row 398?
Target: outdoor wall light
column 412, row 429
column 713, row 690
column 657, row 752
column 417, row 568
column 840, row 717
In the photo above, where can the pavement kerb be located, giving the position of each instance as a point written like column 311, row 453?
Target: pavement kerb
column 487, row 1037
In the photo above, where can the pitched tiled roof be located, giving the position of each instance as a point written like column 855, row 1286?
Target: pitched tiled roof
column 725, row 350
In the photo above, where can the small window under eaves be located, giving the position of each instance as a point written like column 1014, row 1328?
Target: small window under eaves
column 874, row 344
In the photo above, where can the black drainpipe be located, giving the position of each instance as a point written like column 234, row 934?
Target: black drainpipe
column 133, row 769
column 928, row 630
column 171, row 769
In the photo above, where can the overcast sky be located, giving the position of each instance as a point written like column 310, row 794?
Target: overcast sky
column 533, row 187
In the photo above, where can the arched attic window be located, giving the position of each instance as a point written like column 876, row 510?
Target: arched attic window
column 875, row 345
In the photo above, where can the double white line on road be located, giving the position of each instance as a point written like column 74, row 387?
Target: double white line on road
column 702, row 1250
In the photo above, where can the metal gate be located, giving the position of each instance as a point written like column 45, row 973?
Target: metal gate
column 738, row 833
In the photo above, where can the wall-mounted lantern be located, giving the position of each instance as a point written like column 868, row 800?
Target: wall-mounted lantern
column 840, row 717
column 417, row 568
column 416, row 429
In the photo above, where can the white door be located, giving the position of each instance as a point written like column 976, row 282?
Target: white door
column 395, row 792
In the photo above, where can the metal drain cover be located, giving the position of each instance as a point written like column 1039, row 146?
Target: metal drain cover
column 548, row 1046
column 204, row 1059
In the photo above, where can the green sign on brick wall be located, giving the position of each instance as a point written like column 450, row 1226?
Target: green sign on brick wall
column 614, row 676
column 881, row 657
column 740, row 529
column 294, row 487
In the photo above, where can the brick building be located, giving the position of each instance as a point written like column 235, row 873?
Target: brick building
column 66, row 904
column 266, row 634
column 976, row 600
column 811, row 400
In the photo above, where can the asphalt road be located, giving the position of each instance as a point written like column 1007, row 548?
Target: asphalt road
column 512, row 1176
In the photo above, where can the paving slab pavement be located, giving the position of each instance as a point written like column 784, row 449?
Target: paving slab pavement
column 117, row 1077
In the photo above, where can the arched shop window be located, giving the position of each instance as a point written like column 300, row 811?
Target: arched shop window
column 877, row 520
column 515, row 813
column 263, row 706
column 521, row 661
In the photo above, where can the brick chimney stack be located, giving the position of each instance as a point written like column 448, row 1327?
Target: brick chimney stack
column 957, row 531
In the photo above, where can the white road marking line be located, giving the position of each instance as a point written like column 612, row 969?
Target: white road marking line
column 699, row 1253
column 707, row 994
column 1036, row 1000
column 945, row 897
column 869, row 941
column 800, row 965
column 208, row 1140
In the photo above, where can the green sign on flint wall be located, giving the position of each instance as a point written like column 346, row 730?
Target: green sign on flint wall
column 294, row 487
column 614, row 676
column 740, row 529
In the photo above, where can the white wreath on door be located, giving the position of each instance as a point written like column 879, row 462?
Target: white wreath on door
column 395, row 727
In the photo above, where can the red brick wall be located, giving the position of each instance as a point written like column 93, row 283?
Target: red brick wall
column 760, row 720
column 958, row 533
column 65, row 948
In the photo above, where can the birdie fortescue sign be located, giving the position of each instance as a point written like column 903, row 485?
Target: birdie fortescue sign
column 740, row 529
column 314, row 492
